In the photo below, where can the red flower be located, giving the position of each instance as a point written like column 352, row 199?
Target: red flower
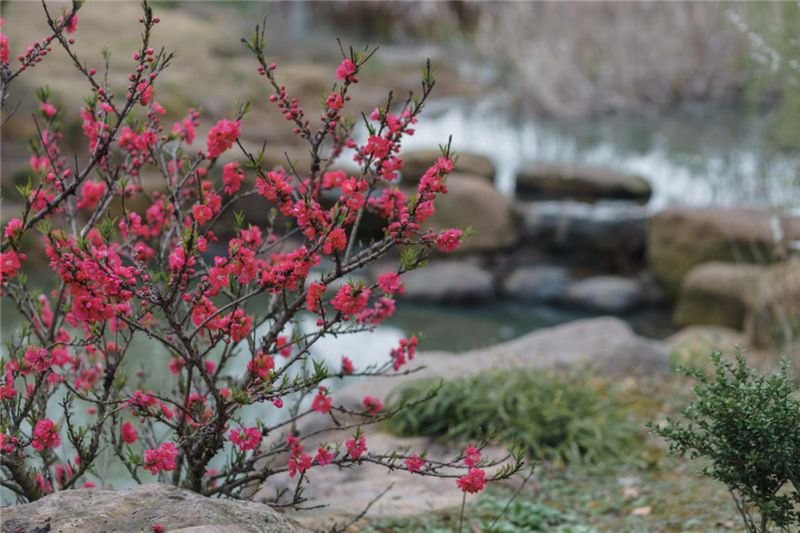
column 372, row 405
column 350, row 300
column 356, row 447
column 232, row 177
column 129, row 433
column 414, row 463
column 221, row 137
column 346, row 70
column 324, row 456
column 347, row 365
column 160, row 459
column 246, row 439
column 321, row 403
column 471, row 456
column 473, row 482
column 45, row 435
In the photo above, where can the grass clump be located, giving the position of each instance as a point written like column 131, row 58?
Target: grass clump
column 560, row 418
column 492, row 513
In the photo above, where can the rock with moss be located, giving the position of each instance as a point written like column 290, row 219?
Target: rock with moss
column 137, row 509
column 474, row 202
column 451, row 282
column 682, row 238
column 717, row 294
column 774, row 307
column 562, row 182
column 416, row 162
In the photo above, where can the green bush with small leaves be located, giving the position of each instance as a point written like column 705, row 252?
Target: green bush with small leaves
column 748, row 426
column 559, row 417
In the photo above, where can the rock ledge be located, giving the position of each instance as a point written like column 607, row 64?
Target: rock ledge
column 135, row 510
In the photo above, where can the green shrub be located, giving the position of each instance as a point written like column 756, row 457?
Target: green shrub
column 557, row 417
column 748, row 426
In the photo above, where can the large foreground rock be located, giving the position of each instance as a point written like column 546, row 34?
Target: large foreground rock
column 681, row 238
column 416, row 162
column 717, row 294
column 135, row 510
column 609, row 235
column 560, row 182
column 449, row 282
column 473, row 202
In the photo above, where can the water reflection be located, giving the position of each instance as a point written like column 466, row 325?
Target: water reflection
column 691, row 159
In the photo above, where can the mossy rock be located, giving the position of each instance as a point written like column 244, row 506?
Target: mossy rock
column 774, row 314
column 717, row 294
column 560, row 182
column 681, row 238
column 417, row 162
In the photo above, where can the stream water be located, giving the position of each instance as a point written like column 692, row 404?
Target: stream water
column 695, row 158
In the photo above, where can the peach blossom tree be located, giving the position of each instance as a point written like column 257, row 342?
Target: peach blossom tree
column 69, row 400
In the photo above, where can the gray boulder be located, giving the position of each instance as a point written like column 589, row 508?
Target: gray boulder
column 137, row 509
column 606, row 294
column 613, row 233
column 536, row 284
column 449, row 282
column 559, row 182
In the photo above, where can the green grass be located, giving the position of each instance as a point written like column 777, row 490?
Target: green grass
column 492, row 513
column 561, row 418
column 585, row 499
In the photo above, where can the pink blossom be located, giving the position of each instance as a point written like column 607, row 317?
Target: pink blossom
column 314, row 297
column 391, row 283
column 299, row 464
column 38, row 358
column 48, row 109
column 473, row 482
column 162, row 459
column 356, row 447
column 221, row 137
column 202, row 213
column 91, row 194
column 346, row 70
column 45, row 435
column 471, row 456
column 324, row 456
column 13, row 228
column 350, row 300
column 448, row 240
column 261, row 365
column 322, row 402
column 246, row 438
column 72, row 25
column 232, row 177
column 414, row 463
column 347, row 365
column 372, row 405
column 129, row 433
